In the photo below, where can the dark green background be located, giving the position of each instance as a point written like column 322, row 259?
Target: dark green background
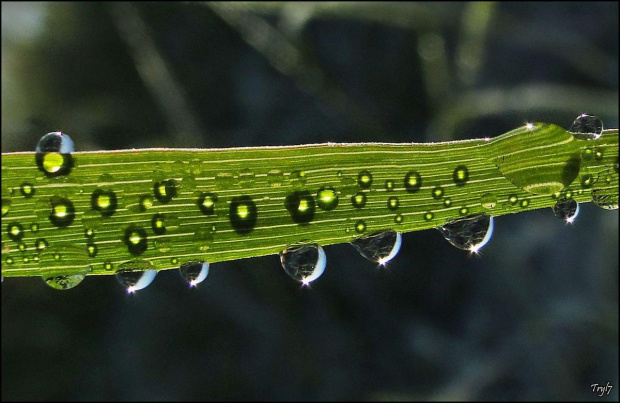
column 534, row 317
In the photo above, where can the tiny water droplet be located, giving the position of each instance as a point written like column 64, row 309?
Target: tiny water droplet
column 587, row 154
column 587, row 181
column 15, row 231
column 27, row 190
column 165, row 191
column 460, row 175
column 194, row 272
column 392, row 203
column 34, row 227
column 327, row 198
column 303, row 262
column 399, row 218
column 298, row 178
column 358, row 200
column 41, row 244
column 360, row 226
column 429, row 216
column 437, row 193
column 413, row 181
column 53, row 154
column 364, row 179
column 605, row 190
column 488, row 200
column 163, row 244
column 389, row 184
column 145, row 203
column 524, row 203
column 275, row 178
column 380, row 247
column 348, row 185
column 469, row 233
column 63, row 212
column 598, row 154
column 587, row 127
column 447, row 202
column 513, row 199
column 92, row 249
column 135, row 275
column 566, row 209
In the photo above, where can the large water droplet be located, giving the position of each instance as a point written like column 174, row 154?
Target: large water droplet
column 470, row 233
column 587, row 127
column 327, row 198
column 136, row 274
column 304, row 262
column 53, row 154
column 63, row 266
column 380, row 247
column 488, row 200
column 194, row 272
column 566, row 209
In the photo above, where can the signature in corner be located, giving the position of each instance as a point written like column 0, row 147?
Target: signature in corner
column 601, row 390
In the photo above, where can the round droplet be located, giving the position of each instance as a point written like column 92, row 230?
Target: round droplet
column 165, row 191
column 399, row 218
column 135, row 239
column 437, row 193
column 587, row 181
column 460, row 175
column 513, row 199
column 135, row 275
column 303, row 262
column 40, row 244
column 27, row 190
column 598, row 154
column 348, row 185
column 21, row 246
column 488, row 200
column 15, row 231
column 587, row 127
column 327, row 198
column 587, row 154
column 91, row 249
column 34, row 227
column 275, row 178
column 358, row 200
column 194, row 272
column 428, row 216
column 298, row 178
column 53, row 154
column 380, row 247
column 360, row 226
column 203, row 239
column 63, row 212
column 107, row 265
column 566, row 209
column 89, row 233
column 392, row 203
column 463, row 210
column 104, row 201
column 162, row 223
column 470, row 233
column 300, row 206
column 389, row 185
column 6, row 200
column 524, row 203
column 413, row 181
column 91, row 220
column 145, row 203
column 63, row 266
column 243, row 214
column 364, row 179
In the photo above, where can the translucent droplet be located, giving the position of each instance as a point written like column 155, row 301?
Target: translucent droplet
column 224, row 180
column 164, row 223
column 40, row 244
column 34, row 227
column 566, row 209
column 327, row 198
column 63, row 212
column 389, row 184
column 587, row 181
column 488, row 200
column 136, row 274
column 358, row 200
column 275, row 178
column 587, row 154
column 364, row 179
column 587, row 127
column 428, row 216
column 447, row 202
column 392, row 203
column 460, row 175
column 91, row 249
column 15, row 231
column 413, row 181
column 380, row 247
column 63, row 266
column 524, row 203
column 605, row 190
column 303, row 262
column 469, row 233
column 399, row 218
column 104, row 201
column 27, row 190
column 53, row 154
column 348, row 185
column 360, row 226
column 145, row 203
column 163, row 244
column 135, row 239
column 298, row 178
column 165, row 191
column 243, row 214
column 513, row 199
column 301, row 206
column 6, row 200
column 194, row 272
column 437, row 193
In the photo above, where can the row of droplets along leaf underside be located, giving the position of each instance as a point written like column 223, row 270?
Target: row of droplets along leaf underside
column 169, row 206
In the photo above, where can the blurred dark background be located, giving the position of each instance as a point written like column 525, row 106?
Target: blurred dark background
column 534, row 317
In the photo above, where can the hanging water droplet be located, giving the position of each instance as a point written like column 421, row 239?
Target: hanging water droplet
column 64, row 282
column 53, row 154
column 303, row 262
column 135, row 275
column 469, row 233
column 488, row 200
column 380, row 247
column 566, row 209
column 587, row 127
column 194, row 272
column 63, row 266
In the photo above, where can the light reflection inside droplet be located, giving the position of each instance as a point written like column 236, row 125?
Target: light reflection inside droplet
column 475, row 249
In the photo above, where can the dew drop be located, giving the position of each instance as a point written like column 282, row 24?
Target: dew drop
column 413, row 181
column 488, row 200
column 429, row 216
column 447, row 202
column 165, row 191
column 360, row 226
column 469, row 233
column 524, row 203
column 513, row 199
column 300, row 206
column 389, row 184
column 63, row 266
column 135, row 239
column 145, row 203
column 587, row 127
column 53, row 154
column 224, row 180
column 194, row 272
column 34, row 227
column 460, row 175
column 163, row 244
column 15, row 231
column 364, row 179
column 135, row 275
column 587, row 181
column 358, row 200
column 162, row 223
column 598, row 154
column 246, row 177
column 275, row 178
column 566, row 209
column 348, row 185
column 437, row 193
column 399, row 218
column 63, row 212
column 104, row 201
column 392, row 203
column 298, row 178
column 587, row 154
column 327, row 198
column 380, row 247
column 303, row 262
column 107, row 265
column 243, row 214
column 6, row 200
column 40, row 244
column 27, row 190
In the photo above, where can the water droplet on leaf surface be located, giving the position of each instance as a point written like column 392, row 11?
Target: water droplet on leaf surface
column 587, row 127
column 53, row 154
